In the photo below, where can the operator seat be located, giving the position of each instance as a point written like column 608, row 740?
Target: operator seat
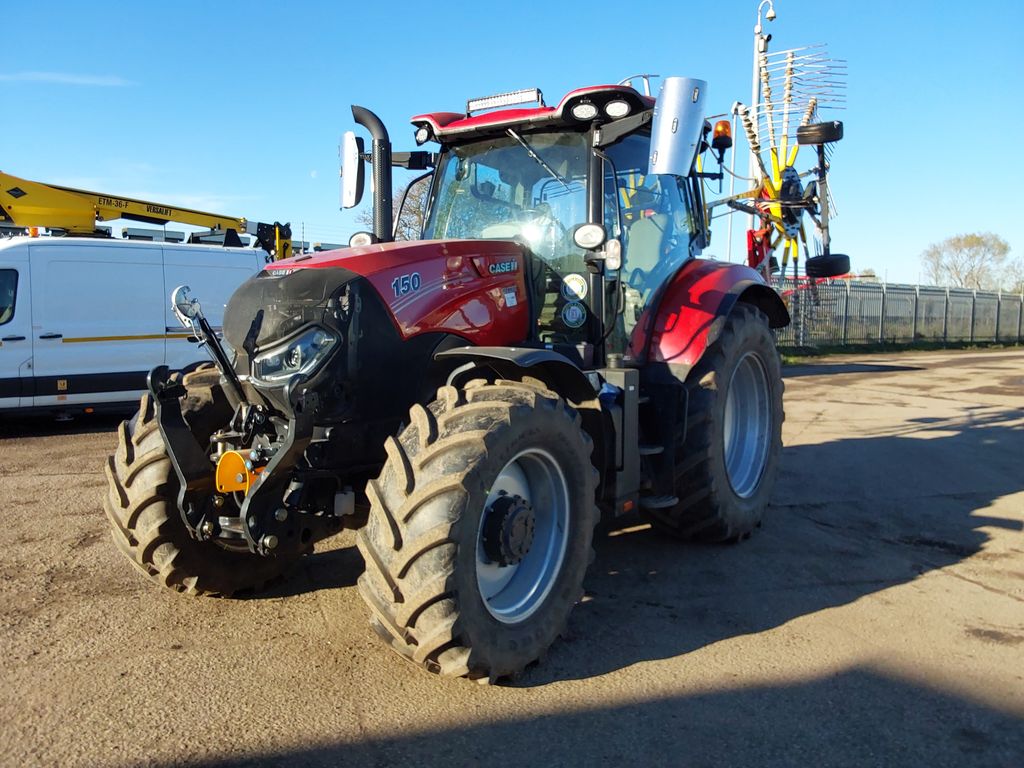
column 645, row 244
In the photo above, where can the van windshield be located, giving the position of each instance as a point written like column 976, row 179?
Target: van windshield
column 8, row 291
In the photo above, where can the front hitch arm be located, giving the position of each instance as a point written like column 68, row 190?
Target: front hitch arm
column 189, row 459
column 190, row 315
column 267, row 524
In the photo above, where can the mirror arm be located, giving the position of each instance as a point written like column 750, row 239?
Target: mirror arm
column 414, row 161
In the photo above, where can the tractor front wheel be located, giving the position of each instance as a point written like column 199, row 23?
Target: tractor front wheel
column 142, row 503
column 480, row 529
column 727, row 470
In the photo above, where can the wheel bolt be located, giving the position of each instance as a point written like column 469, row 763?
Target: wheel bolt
column 269, row 541
column 281, row 515
column 218, row 501
column 207, row 528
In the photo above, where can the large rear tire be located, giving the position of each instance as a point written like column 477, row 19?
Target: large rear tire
column 480, row 529
column 727, row 470
column 141, row 503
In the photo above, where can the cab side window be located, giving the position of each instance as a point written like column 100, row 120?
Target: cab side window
column 8, row 292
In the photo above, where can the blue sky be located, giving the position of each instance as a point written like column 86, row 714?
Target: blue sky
column 238, row 107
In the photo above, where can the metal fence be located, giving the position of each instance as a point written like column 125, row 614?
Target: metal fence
column 851, row 312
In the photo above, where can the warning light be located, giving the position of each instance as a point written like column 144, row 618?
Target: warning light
column 722, row 137
column 33, row 231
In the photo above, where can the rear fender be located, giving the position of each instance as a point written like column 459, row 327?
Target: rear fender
column 690, row 313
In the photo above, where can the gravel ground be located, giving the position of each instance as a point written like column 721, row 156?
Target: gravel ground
column 876, row 619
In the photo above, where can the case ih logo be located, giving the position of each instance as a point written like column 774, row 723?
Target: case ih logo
column 502, row 267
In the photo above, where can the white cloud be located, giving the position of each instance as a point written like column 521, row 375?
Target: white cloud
column 312, row 174
column 65, row 78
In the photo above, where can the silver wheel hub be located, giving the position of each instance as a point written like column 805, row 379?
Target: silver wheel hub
column 522, row 537
column 747, row 426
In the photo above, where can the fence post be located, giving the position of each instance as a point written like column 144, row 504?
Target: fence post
column 945, row 318
column 917, row 301
column 1020, row 316
column 881, row 319
column 846, row 311
column 974, row 303
column 999, row 311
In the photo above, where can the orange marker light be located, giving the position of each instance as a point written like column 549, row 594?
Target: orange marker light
column 721, row 139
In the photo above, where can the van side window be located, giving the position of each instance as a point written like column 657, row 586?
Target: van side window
column 8, row 290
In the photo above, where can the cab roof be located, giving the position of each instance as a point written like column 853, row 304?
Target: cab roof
column 451, row 125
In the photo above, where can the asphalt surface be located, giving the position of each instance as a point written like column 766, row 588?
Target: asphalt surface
column 876, row 619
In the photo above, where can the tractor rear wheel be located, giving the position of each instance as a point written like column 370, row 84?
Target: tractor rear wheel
column 727, row 470
column 480, row 529
column 142, row 503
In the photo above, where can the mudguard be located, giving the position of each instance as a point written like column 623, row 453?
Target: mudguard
column 688, row 315
column 556, row 369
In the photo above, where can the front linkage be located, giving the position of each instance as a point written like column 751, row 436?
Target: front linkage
column 248, row 490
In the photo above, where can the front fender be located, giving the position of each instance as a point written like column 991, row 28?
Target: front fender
column 557, row 371
column 688, row 315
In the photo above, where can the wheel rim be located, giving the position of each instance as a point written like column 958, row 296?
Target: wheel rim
column 747, row 425
column 513, row 592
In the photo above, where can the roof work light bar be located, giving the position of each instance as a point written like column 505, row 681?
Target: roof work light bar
column 524, row 96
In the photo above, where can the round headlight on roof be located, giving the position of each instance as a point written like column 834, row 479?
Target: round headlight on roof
column 617, row 108
column 422, row 135
column 584, row 111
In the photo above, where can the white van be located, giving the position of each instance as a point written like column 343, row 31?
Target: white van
column 84, row 320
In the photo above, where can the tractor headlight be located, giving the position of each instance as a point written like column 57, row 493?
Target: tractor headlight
column 303, row 354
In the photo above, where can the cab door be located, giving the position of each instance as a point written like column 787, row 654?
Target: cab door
column 98, row 326
column 15, row 329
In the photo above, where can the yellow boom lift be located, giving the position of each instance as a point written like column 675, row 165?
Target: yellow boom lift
column 26, row 203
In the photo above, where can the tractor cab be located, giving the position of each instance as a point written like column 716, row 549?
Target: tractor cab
column 601, row 193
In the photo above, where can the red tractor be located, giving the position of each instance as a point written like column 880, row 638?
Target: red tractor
column 551, row 350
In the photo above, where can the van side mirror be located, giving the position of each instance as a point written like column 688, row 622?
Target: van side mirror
column 352, row 175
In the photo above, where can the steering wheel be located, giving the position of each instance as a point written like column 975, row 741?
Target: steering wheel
column 547, row 231
column 637, row 278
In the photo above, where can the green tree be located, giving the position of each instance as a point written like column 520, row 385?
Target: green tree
column 980, row 261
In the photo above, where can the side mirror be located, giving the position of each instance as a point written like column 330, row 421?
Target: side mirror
column 352, row 175
column 186, row 309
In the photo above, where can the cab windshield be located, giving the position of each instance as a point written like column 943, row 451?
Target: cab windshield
column 529, row 187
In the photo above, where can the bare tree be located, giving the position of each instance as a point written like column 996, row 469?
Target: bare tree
column 408, row 220
column 979, row 261
column 868, row 275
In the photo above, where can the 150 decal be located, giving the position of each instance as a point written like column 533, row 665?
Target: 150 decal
column 404, row 284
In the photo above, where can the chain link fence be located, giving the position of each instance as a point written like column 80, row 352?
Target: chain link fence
column 837, row 312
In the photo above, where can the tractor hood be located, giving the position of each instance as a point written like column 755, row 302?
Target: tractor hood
column 475, row 289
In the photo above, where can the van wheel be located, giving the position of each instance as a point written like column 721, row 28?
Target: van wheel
column 141, row 503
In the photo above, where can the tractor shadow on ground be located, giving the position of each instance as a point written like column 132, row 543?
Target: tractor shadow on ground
column 851, row 517
column 860, row 717
column 799, row 370
column 330, row 569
